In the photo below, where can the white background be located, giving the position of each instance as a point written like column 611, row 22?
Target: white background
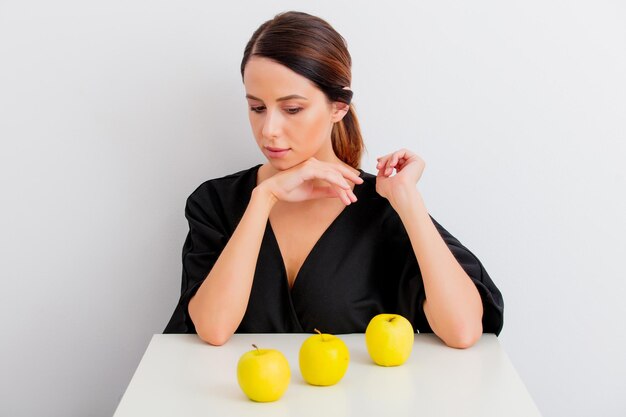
column 112, row 113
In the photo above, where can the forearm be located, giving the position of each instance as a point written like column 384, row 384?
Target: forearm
column 220, row 303
column 453, row 305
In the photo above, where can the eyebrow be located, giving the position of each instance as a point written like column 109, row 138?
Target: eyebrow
column 289, row 97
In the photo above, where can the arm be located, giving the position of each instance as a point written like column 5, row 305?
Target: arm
column 220, row 303
column 453, row 305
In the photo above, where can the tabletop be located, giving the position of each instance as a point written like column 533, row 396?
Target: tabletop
column 180, row 375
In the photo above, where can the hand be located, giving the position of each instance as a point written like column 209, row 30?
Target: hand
column 409, row 167
column 297, row 183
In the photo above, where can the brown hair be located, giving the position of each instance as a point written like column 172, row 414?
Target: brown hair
column 309, row 46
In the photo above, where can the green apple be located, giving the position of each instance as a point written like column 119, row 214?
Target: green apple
column 324, row 359
column 389, row 339
column 263, row 374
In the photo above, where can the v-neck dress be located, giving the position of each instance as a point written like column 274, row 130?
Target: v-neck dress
column 362, row 265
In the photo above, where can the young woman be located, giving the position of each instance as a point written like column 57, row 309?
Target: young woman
column 308, row 239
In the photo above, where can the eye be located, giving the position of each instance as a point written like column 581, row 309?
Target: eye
column 289, row 110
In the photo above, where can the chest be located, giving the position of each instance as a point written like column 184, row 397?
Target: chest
column 298, row 231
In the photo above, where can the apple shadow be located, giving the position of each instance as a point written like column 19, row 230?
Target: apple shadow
column 299, row 381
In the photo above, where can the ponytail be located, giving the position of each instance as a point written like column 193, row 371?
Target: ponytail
column 347, row 140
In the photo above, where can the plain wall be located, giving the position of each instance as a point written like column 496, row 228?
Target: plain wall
column 112, row 113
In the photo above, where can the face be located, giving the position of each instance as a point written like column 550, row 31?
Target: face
column 291, row 118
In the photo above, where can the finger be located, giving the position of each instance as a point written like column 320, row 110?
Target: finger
column 397, row 157
column 382, row 168
column 338, row 192
column 347, row 196
column 381, row 171
column 383, row 162
column 335, row 178
column 348, row 174
column 388, row 167
column 379, row 166
column 343, row 196
column 391, row 162
column 330, row 192
column 401, row 163
column 341, row 181
column 383, row 158
column 342, row 170
column 352, row 196
column 394, row 159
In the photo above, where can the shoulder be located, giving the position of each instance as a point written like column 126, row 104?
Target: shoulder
column 367, row 190
column 376, row 207
column 234, row 183
column 225, row 197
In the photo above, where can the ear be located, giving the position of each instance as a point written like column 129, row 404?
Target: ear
column 340, row 109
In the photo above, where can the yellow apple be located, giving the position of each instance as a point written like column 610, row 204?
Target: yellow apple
column 324, row 359
column 389, row 339
column 263, row 374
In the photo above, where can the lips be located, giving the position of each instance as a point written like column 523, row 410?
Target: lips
column 275, row 153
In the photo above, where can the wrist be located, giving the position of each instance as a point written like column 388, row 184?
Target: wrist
column 412, row 210
column 406, row 199
column 263, row 197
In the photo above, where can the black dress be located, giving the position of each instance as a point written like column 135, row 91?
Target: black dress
column 362, row 265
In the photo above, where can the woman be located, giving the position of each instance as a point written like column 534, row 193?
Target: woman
column 309, row 240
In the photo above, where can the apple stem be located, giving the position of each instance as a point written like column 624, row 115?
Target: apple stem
column 255, row 346
column 321, row 335
column 392, row 319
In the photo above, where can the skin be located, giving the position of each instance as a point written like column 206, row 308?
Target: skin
column 311, row 176
column 304, row 126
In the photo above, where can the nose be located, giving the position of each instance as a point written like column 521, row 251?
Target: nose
column 272, row 124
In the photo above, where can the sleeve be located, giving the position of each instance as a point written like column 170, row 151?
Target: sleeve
column 412, row 294
column 203, row 245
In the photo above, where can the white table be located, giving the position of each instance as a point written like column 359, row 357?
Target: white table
column 179, row 375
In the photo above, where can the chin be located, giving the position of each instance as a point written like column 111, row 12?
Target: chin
column 282, row 165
